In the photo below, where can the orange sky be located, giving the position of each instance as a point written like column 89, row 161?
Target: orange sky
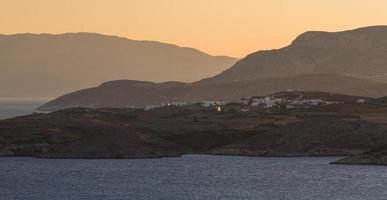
column 219, row 27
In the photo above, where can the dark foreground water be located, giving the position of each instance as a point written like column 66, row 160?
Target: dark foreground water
column 190, row 177
column 11, row 107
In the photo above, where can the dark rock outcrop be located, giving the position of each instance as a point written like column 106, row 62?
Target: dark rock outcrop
column 376, row 156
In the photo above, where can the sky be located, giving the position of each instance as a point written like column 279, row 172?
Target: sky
column 218, row 27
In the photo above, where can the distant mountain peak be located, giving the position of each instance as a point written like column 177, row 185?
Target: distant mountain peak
column 324, row 37
column 358, row 52
column 53, row 64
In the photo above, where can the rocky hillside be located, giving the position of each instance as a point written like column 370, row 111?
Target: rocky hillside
column 358, row 53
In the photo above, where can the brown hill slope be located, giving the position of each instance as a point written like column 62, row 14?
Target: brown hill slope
column 134, row 93
column 359, row 53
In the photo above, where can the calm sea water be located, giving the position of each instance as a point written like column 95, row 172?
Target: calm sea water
column 190, row 177
column 12, row 107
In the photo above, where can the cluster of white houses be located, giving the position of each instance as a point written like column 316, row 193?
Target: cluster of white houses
column 175, row 104
column 270, row 102
column 266, row 102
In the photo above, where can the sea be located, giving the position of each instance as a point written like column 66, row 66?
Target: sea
column 191, row 177
column 13, row 107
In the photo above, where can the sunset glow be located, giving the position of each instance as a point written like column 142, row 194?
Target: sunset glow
column 219, row 27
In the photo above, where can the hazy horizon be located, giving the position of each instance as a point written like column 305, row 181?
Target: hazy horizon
column 218, row 27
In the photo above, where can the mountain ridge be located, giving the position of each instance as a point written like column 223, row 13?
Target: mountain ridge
column 54, row 64
column 317, row 52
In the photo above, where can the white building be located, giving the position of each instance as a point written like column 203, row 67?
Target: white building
column 150, row 107
column 245, row 110
column 360, row 101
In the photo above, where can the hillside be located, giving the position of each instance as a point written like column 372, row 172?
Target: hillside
column 329, row 129
column 358, row 53
column 46, row 65
column 127, row 93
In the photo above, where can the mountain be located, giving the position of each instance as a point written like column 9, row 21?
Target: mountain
column 126, row 93
column 358, row 53
column 349, row 62
column 121, row 93
column 46, row 65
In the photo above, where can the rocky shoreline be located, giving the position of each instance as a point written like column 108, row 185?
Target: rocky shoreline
column 377, row 156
